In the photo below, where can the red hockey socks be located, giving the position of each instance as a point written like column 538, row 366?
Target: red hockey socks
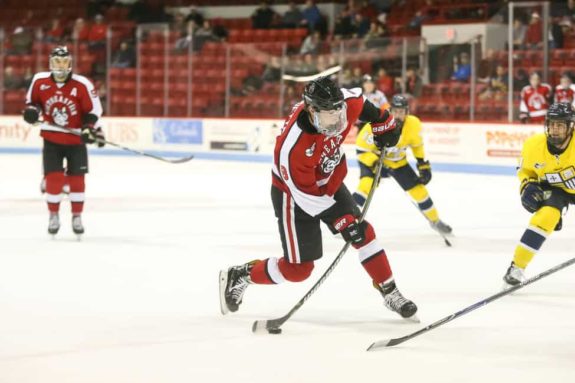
column 372, row 256
column 77, row 188
column 54, row 183
column 274, row 271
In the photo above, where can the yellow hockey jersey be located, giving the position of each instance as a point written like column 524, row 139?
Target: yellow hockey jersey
column 539, row 165
column 395, row 157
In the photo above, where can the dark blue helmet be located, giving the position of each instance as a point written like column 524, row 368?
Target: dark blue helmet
column 559, row 112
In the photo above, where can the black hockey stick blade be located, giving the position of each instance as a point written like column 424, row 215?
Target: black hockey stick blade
column 468, row 309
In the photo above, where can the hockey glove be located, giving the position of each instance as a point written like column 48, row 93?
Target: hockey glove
column 31, row 114
column 385, row 132
column 349, row 228
column 424, row 169
column 92, row 135
column 524, row 118
column 532, row 197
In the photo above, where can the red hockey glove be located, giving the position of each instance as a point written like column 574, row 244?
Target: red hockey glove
column 385, row 132
column 349, row 228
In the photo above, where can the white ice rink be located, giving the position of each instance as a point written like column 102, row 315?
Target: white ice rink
column 137, row 299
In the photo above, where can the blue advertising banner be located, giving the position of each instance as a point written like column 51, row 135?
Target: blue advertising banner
column 167, row 131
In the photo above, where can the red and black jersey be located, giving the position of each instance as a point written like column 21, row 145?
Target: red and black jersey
column 535, row 101
column 63, row 104
column 308, row 165
column 565, row 95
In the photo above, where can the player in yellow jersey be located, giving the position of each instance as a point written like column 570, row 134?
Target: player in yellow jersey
column 547, row 175
column 396, row 165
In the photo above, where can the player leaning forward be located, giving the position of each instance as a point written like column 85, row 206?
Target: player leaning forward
column 70, row 109
column 307, row 189
column 547, row 174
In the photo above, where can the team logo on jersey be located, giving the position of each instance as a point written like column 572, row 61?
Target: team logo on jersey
column 553, row 178
column 328, row 164
column 60, row 116
column 309, row 151
column 284, row 172
column 56, row 102
column 44, row 87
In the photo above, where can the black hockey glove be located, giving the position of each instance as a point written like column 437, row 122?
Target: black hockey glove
column 92, row 135
column 31, row 114
column 350, row 229
column 524, row 118
column 424, row 169
column 531, row 197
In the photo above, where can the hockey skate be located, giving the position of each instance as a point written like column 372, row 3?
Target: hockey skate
column 441, row 227
column 54, row 224
column 514, row 276
column 77, row 225
column 233, row 284
column 396, row 302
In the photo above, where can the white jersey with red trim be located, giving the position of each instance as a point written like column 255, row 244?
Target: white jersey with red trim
column 308, row 165
column 535, row 100
column 63, row 105
column 566, row 95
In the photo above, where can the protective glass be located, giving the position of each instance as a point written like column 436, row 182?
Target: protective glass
column 330, row 123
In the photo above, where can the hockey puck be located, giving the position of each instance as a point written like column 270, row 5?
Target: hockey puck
column 274, row 331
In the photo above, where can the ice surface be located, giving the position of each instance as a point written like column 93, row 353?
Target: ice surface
column 137, row 299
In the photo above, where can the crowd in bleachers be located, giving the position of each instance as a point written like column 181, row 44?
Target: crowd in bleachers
column 295, row 42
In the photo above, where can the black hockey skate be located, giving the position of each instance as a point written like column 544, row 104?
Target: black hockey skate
column 441, row 227
column 233, row 284
column 54, row 224
column 514, row 276
column 396, row 302
column 77, row 226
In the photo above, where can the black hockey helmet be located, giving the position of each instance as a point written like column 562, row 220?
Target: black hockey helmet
column 399, row 107
column 323, row 94
column 563, row 114
column 60, row 62
column 326, row 106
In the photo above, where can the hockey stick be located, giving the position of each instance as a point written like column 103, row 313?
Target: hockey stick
column 396, row 341
column 273, row 325
column 135, row 151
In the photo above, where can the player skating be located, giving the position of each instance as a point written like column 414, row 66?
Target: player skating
column 547, row 175
column 396, row 165
column 70, row 109
column 307, row 189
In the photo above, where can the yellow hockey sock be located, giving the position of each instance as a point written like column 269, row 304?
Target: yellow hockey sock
column 542, row 224
column 420, row 196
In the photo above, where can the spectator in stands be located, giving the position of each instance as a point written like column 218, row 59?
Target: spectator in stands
column 293, row 16
column 311, row 43
column 179, row 24
column 80, row 31
column 97, row 34
column 383, row 6
column 361, row 25
column 497, row 86
column 520, row 80
column 56, row 32
column 343, row 26
column 356, row 77
column 12, row 81
column 21, row 41
column 565, row 91
column 311, row 15
column 487, row 66
column 555, row 35
column 385, row 82
column 519, row 31
column 413, row 85
column 203, row 35
column 125, row 57
column 273, row 70
column 374, row 37
column 570, row 9
column 534, row 35
column 535, row 100
column 263, row 17
column 374, row 95
column 195, row 16
column 461, row 68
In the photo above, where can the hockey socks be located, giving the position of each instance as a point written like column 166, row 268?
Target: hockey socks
column 275, row 271
column 77, row 188
column 54, row 184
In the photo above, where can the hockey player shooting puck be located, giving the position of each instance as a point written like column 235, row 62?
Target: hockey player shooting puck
column 274, row 330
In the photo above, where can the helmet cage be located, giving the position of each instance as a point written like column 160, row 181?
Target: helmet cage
column 57, row 57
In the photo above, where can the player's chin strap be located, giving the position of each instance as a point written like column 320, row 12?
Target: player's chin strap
column 264, row 326
column 100, row 140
